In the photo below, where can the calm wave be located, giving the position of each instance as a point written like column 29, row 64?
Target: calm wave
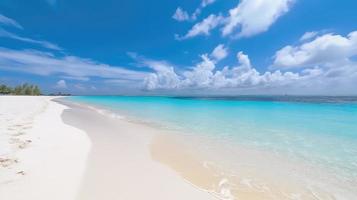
column 319, row 132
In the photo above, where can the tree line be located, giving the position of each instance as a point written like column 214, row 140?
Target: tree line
column 24, row 89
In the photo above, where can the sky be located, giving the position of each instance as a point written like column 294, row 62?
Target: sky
column 187, row 47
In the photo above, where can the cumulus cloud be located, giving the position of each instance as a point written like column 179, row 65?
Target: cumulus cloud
column 248, row 18
column 321, row 76
column 329, row 57
column 205, row 75
column 323, row 51
column 204, row 27
column 61, row 84
column 165, row 74
column 219, row 53
column 45, row 63
column 9, row 22
column 180, row 15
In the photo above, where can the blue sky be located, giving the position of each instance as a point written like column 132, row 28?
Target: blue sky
column 180, row 47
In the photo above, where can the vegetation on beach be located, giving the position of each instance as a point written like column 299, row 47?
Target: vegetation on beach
column 24, row 89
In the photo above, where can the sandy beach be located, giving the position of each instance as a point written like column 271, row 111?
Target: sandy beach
column 56, row 148
column 51, row 151
column 178, row 100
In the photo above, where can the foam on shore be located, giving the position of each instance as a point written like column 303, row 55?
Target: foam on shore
column 258, row 149
column 257, row 175
column 120, row 165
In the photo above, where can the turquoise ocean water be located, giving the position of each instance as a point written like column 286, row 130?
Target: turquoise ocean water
column 320, row 131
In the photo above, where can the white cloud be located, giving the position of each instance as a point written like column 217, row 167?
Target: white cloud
column 329, row 78
column 254, row 16
column 241, row 76
column 204, row 27
column 181, row 15
column 308, row 36
column 249, row 18
column 165, row 74
column 330, row 58
column 9, row 22
column 205, row 76
column 324, row 51
column 77, row 78
column 46, row 44
column 61, row 84
column 45, row 64
column 219, row 53
column 205, row 3
column 200, row 76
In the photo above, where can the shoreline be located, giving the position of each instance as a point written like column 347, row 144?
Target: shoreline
column 69, row 157
column 79, row 151
column 183, row 162
column 122, row 160
column 169, row 148
column 269, row 177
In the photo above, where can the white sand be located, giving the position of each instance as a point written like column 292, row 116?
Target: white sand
column 51, row 162
column 94, row 157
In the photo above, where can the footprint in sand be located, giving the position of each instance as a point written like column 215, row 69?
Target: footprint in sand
column 21, row 173
column 6, row 162
column 17, row 125
column 20, row 128
column 11, row 129
column 21, row 144
column 18, row 133
column 14, row 140
column 26, row 127
column 24, row 144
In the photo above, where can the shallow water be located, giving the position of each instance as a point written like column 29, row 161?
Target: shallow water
column 310, row 142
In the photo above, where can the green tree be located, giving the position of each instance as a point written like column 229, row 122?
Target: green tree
column 8, row 90
column 24, row 89
column 36, row 90
column 17, row 90
column 5, row 89
column 27, row 90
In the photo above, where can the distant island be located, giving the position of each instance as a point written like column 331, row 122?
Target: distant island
column 59, row 94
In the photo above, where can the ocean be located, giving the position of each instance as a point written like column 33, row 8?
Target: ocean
column 308, row 141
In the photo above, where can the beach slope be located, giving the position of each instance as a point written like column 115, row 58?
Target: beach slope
column 59, row 151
